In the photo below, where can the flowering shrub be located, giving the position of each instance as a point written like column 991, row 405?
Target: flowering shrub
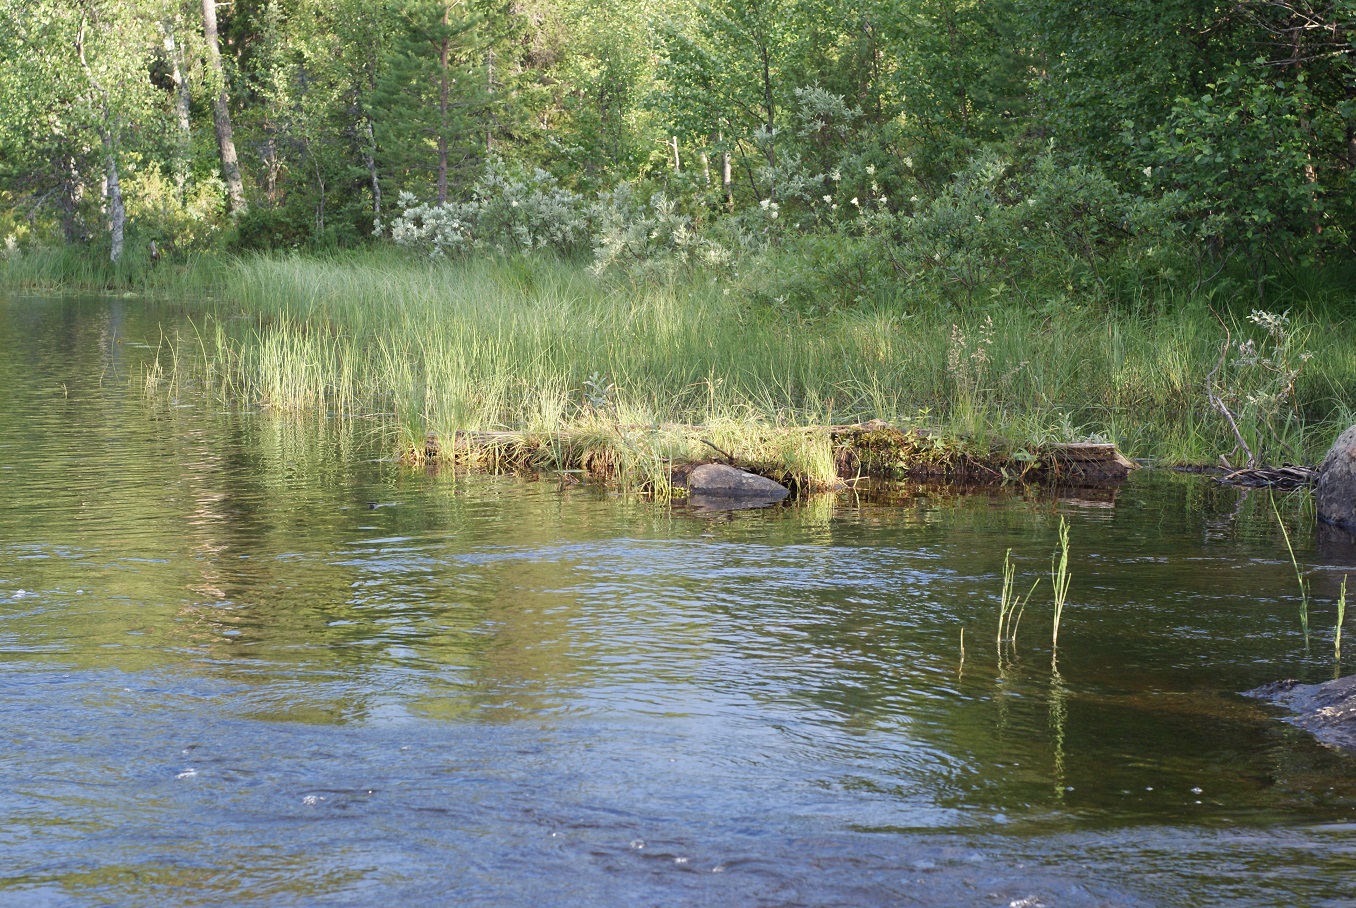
column 628, row 232
column 520, row 214
column 506, row 213
column 835, row 229
column 437, row 229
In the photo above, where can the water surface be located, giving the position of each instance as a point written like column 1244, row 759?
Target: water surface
column 247, row 660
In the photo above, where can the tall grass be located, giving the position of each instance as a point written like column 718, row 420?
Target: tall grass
column 76, row 268
column 496, row 344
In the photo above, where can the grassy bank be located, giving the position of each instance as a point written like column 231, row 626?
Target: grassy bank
column 534, row 346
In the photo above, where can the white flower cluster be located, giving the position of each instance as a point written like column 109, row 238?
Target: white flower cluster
column 436, row 228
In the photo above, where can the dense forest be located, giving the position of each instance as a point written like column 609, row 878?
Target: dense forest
column 972, row 143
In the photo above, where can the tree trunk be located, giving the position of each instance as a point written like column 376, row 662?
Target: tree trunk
column 370, row 162
column 181, row 108
column 271, row 166
column 108, row 136
column 726, row 172
column 489, row 87
column 953, row 37
column 68, row 178
column 320, row 205
column 181, row 98
column 771, row 110
column 117, row 214
column 444, row 92
column 677, row 164
column 221, row 112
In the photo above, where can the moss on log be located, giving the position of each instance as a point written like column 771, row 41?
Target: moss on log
column 655, row 458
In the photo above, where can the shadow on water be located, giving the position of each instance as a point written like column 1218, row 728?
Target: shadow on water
column 231, row 680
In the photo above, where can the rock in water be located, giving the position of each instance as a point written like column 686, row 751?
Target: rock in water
column 714, row 480
column 1326, row 710
column 1337, row 483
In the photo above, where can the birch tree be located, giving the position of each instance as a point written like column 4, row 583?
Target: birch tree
column 221, row 110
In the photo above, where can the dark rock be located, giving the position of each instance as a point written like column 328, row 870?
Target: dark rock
column 1334, row 545
column 713, row 505
column 1326, row 710
column 717, row 481
column 1337, row 483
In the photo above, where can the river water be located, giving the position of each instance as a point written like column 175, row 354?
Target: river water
column 247, row 660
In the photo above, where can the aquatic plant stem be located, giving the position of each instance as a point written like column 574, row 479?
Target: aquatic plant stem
column 1341, row 617
column 1011, row 609
column 1005, row 597
column 1060, row 577
column 1299, row 575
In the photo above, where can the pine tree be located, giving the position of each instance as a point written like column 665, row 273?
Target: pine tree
column 432, row 99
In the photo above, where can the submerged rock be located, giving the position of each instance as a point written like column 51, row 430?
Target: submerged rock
column 713, row 482
column 1337, row 483
column 1327, row 710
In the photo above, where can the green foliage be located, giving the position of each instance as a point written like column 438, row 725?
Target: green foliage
column 179, row 219
column 263, row 229
column 909, row 154
column 1242, row 155
column 433, row 95
column 1043, row 233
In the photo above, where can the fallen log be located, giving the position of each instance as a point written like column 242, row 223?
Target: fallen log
column 880, row 450
column 1286, row 478
column 874, row 450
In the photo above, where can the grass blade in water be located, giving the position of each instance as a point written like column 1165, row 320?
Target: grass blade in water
column 1299, row 574
column 1060, row 577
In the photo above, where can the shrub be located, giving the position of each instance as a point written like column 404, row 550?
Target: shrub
column 506, row 212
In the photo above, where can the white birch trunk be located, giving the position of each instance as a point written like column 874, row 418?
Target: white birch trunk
column 221, row 112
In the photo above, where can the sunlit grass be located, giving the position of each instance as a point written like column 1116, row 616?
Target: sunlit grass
column 511, row 345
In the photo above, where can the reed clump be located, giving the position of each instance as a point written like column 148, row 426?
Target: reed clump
column 544, row 348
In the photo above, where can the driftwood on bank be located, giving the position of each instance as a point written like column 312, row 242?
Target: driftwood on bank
column 874, row 450
column 1285, row 478
column 880, row 450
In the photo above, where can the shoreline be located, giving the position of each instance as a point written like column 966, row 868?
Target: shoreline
column 874, row 451
column 535, row 362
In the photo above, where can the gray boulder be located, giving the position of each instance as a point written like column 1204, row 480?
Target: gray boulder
column 1327, row 710
column 1337, row 483
column 717, row 481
